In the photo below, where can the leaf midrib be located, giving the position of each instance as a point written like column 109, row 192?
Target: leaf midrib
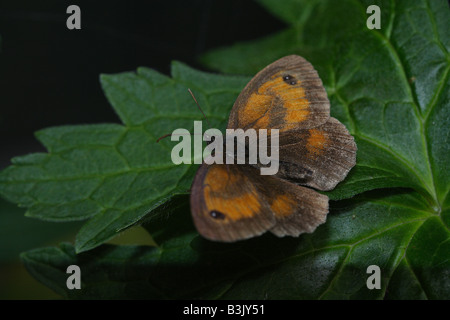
column 431, row 187
column 349, row 246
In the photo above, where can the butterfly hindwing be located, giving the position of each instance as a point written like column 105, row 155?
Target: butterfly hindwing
column 296, row 209
column 319, row 157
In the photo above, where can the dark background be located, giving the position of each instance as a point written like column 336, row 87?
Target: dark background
column 49, row 76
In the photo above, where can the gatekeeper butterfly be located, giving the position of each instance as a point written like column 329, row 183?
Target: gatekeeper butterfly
column 231, row 202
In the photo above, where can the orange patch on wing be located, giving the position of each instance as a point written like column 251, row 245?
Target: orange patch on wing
column 256, row 106
column 283, row 205
column 246, row 205
column 295, row 104
column 295, row 113
column 223, row 192
column 276, row 84
column 262, row 122
column 316, row 142
column 218, row 177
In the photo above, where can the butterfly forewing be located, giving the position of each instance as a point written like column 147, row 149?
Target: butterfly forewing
column 226, row 203
column 286, row 95
column 234, row 202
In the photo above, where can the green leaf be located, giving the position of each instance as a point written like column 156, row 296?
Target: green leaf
column 390, row 87
column 20, row 233
column 111, row 174
column 331, row 263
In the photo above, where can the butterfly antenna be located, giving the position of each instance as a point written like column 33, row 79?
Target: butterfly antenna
column 164, row 136
column 193, row 97
column 196, row 102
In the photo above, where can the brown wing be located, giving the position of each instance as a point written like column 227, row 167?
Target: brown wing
column 234, row 202
column 320, row 157
column 286, row 95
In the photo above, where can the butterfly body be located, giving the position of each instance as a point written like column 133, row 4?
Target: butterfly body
column 231, row 202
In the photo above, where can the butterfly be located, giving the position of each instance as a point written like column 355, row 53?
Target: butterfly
column 231, row 202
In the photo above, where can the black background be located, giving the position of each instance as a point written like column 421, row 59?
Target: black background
column 49, row 75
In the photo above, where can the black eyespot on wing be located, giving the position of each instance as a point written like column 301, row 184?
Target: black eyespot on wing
column 289, row 79
column 217, row 215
